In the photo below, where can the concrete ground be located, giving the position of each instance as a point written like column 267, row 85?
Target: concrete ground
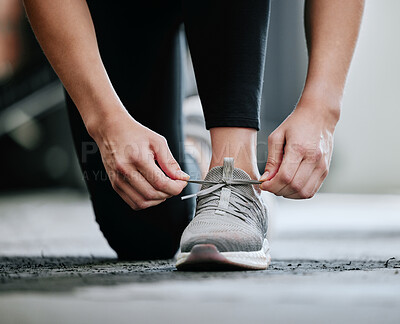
column 336, row 259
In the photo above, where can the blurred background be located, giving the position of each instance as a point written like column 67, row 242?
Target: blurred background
column 36, row 143
column 334, row 256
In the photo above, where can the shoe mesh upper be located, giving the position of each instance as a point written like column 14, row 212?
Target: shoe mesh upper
column 232, row 217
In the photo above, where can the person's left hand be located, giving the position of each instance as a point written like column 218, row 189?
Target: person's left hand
column 300, row 151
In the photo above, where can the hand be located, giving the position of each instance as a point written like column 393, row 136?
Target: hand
column 129, row 152
column 299, row 152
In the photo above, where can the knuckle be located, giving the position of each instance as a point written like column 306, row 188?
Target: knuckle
column 151, row 195
column 273, row 137
column 139, row 161
column 134, row 158
column 314, row 155
column 162, row 140
column 119, row 167
column 286, row 178
column 172, row 162
column 318, row 154
column 160, row 184
column 114, row 186
column 299, row 149
column 296, row 186
column 271, row 162
column 304, row 194
column 323, row 165
column 323, row 168
column 141, row 204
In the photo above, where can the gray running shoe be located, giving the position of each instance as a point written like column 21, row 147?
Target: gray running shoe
column 229, row 229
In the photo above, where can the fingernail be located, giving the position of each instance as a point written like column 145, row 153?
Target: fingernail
column 183, row 183
column 264, row 177
column 182, row 175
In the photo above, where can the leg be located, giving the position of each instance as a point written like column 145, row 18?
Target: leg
column 228, row 43
column 141, row 50
column 237, row 142
column 227, row 40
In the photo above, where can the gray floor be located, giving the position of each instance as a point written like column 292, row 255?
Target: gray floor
column 336, row 259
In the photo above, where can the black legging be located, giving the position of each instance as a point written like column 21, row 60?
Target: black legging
column 142, row 50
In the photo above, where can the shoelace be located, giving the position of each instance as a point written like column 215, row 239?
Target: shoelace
column 218, row 185
column 238, row 206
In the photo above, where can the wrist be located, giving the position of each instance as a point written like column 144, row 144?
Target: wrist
column 96, row 101
column 99, row 120
column 322, row 98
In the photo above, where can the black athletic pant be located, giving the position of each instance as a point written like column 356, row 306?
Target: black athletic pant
column 142, row 50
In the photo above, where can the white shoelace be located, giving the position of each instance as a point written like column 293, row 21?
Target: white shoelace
column 218, row 185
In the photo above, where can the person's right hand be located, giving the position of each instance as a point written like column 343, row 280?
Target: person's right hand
column 129, row 152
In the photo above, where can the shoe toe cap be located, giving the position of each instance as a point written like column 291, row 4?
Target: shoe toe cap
column 226, row 236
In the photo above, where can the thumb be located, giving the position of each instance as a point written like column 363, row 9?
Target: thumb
column 276, row 143
column 168, row 164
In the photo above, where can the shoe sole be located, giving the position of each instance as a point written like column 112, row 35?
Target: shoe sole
column 206, row 257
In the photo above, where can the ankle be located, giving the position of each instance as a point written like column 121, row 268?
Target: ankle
column 244, row 164
column 238, row 143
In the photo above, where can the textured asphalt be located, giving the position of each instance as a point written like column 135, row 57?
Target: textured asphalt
column 336, row 259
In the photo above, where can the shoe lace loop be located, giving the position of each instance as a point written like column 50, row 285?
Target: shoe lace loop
column 240, row 207
column 218, row 185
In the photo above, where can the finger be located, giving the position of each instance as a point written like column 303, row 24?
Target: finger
column 300, row 179
column 291, row 161
column 276, row 142
column 319, row 183
column 167, row 162
column 315, row 180
column 158, row 180
column 311, row 187
column 136, row 181
column 125, row 197
column 132, row 197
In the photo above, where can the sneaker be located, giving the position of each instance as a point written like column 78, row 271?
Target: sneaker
column 229, row 229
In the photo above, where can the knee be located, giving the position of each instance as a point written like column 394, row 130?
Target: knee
column 132, row 251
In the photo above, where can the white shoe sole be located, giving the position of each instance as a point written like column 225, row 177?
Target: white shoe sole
column 207, row 257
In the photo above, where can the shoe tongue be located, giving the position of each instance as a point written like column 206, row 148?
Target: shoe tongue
column 227, row 169
column 227, row 172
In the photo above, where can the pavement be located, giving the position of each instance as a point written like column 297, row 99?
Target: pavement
column 336, row 259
